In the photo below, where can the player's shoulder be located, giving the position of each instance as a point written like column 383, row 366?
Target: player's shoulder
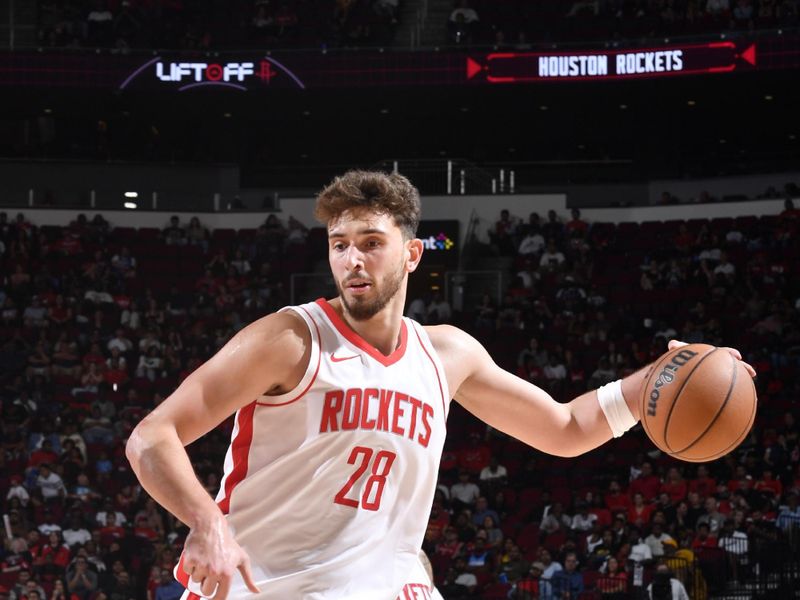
column 284, row 330
column 451, row 342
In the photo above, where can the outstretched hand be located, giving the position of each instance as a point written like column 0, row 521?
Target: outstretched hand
column 211, row 556
column 732, row 351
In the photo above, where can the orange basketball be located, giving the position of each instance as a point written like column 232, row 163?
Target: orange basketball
column 699, row 403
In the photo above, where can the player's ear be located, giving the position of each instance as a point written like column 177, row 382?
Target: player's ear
column 413, row 254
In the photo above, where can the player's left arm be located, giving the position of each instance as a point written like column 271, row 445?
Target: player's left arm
column 521, row 409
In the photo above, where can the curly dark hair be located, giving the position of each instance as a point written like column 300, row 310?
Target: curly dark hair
column 390, row 194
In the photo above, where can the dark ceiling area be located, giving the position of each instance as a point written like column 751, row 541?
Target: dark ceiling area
column 683, row 126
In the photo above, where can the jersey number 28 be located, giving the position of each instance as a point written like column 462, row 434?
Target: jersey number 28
column 380, row 467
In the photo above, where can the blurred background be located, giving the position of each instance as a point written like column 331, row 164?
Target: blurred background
column 597, row 177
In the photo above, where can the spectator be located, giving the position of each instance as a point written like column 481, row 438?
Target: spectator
column 169, row 588
column 495, row 473
column 703, row 484
column 17, row 490
column 549, row 570
column 712, row 517
column 736, row 546
column 482, row 511
column 556, row 519
column 464, row 492
column 666, row 587
column 646, row 483
column 657, row 539
column 639, row 551
column 568, row 582
column 76, row 534
column 552, row 258
column 675, row 485
column 583, row 519
column 438, row 310
column 56, row 548
column 81, row 579
column 173, row 233
column 50, row 484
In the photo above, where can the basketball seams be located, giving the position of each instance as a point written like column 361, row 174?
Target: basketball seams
column 719, row 410
column 678, row 394
column 738, row 439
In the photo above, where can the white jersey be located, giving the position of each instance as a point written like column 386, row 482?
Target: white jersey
column 328, row 487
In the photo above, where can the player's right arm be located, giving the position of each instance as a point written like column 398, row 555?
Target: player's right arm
column 268, row 356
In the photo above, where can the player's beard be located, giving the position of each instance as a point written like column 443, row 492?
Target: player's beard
column 361, row 309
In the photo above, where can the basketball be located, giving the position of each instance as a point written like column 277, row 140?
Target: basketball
column 699, row 403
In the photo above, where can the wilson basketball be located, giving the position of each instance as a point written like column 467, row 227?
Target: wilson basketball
column 699, row 403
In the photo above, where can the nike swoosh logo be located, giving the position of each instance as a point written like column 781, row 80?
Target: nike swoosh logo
column 335, row 358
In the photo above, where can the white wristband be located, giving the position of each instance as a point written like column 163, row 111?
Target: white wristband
column 614, row 407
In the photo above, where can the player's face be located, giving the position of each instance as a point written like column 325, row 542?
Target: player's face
column 369, row 260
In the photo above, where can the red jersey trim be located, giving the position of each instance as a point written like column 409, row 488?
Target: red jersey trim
column 240, row 451
column 316, row 372
column 362, row 344
column 181, row 575
column 438, row 378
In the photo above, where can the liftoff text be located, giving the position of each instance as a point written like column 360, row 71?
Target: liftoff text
column 346, row 410
column 200, row 71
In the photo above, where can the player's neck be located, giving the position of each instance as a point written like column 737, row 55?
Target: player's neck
column 382, row 331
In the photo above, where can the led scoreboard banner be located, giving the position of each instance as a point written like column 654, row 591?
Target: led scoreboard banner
column 521, row 67
column 300, row 70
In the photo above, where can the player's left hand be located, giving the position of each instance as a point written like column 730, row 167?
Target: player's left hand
column 732, row 351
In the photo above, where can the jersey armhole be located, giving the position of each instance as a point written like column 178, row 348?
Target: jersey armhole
column 311, row 370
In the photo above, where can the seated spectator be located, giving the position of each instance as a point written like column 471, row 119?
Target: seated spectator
column 57, row 548
column 482, row 511
column 50, row 484
column 169, row 588
column 664, row 585
column 768, row 485
column 494, row 473
column 43, row 455
column 616, row 499
column 76, row 534
column 439, row 310
column 17, row 490
column 583, row 520
column 568, row 582
column 514, row 567
column 81, row 579
column 703, row 484
column 196, row 234
column 131, row 317
column 150, row 365
column 646, row 483
column 638, row 551
column 675, row 485
column 549, row 571
column 657, row 538
column 465, row 579
column 174, row 234
column 464, row 493
column 101, row 518
column 528, row 586
column 461, row 23
column 603, row 374
column 556, row 519
column 613, row 584
column 552, row 258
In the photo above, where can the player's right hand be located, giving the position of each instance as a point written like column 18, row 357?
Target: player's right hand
column 211, row 557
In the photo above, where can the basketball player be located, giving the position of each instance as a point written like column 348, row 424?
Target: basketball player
column 341, row 411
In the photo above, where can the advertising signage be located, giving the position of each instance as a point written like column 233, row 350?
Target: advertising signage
column 264, row 71
column 441, row 242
